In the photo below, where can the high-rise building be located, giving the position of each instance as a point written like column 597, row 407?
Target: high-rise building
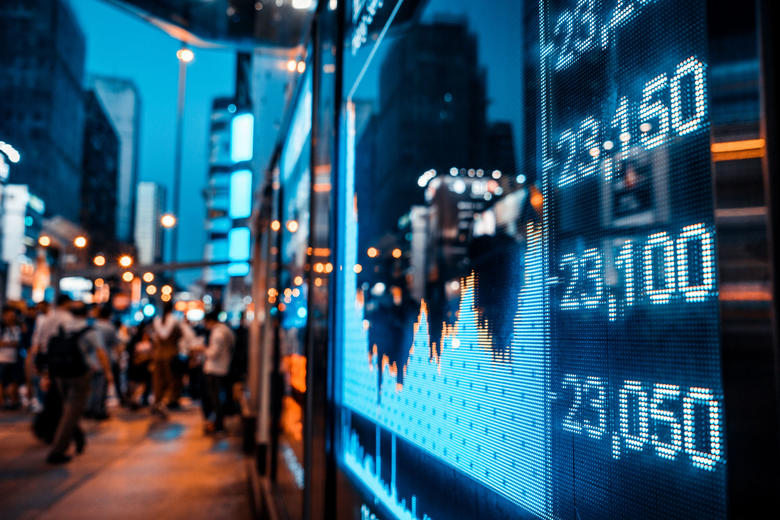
column 42, row 61
column 122, row 103
column 217, row 192
column 419, row 125
column 150, row 205
column 100, row 173
column 21, row 221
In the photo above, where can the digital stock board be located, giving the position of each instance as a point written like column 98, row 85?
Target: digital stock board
column 593, row 389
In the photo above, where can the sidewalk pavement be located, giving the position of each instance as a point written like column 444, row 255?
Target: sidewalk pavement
column 134, row 467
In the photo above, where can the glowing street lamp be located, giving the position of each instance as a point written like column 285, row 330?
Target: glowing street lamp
column 99, row 260
column 127, row 276
column 185, row 55
column 80, row 242
column 125, row 261
column 44, row 240
column 168, row 220
column 148, row 277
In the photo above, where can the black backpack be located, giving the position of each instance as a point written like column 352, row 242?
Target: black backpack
column 65, row 358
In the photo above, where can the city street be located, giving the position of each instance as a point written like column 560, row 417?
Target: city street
column 134, row 467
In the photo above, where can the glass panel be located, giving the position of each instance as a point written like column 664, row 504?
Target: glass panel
column 290, row 296
column 531, row 298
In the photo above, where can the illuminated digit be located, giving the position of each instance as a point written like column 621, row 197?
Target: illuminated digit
column 568, row 141
column 569, row 299
column 666, row 244
column 625, row 262
column 594, row 273
column 661, row 417
column 696, row 293
column 584, row 13
column 566, row 54
column 570, row 423
column 624, row 11
column 634, row 440
column 702, row 459
column 598, row 404
column 649, row 110
column 694, row 67
column 588, row 136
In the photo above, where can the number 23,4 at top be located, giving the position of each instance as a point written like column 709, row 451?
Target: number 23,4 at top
column 581, row 29
column 670, row 106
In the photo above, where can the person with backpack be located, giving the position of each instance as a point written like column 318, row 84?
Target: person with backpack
column 74, row 354
column 46, row 326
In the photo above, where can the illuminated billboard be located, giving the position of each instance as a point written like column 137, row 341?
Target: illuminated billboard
column 241, row 137
column 564, row 360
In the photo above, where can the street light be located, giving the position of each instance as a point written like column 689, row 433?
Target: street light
column 44, row 240
column 185, row 56
column 125, row 261
column 168, row 220
column 80, row 242
column 148, row 277
column 99, row 260
column 127, row 276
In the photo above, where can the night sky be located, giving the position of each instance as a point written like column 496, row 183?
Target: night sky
column 122, row 45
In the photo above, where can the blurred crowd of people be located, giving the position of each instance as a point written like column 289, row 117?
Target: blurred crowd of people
column 66, row 361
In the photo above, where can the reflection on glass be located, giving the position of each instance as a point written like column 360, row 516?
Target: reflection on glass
column 529, row 288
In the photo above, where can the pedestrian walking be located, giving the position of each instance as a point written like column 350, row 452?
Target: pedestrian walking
column 96, row 406
column 74, row 354
column 10, row 339
column 47, row 326
column 217, row 354
column 169, row 334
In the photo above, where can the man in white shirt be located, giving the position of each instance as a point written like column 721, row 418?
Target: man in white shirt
column 218, row 354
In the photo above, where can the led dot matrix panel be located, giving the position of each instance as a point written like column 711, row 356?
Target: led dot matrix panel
column 606, row 399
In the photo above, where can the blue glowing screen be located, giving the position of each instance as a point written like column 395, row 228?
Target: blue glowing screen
column 528, row 298
column 239, row 246
column 240, row 194
column 241, row 137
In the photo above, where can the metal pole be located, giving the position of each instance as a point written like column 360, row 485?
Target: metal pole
column 177, row 164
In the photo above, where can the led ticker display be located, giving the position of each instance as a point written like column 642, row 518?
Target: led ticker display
column 636, row 395
column 583, row 379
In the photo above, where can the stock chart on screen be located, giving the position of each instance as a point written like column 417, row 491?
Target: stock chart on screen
column 594, row 391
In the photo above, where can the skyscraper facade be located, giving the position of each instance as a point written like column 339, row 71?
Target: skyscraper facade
column 42, row 58
column 122, row 103
column 150, row 198
column 100, row 172
column 217, row 192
